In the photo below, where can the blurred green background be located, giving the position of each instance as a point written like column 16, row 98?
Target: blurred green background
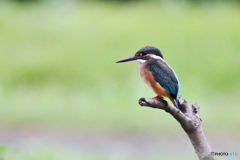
column 63, row 96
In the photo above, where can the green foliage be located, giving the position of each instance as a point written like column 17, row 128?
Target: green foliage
column 66, row 58
column 58, row 66
column 5, row 150
column 26, row 1
column 126, row 1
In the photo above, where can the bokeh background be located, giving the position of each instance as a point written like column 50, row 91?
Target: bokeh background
column 62, row 96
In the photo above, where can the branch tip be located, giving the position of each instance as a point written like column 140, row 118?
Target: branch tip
column 195, row 108
column 142, row 101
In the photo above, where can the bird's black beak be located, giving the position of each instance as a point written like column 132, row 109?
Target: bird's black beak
column 131, row 58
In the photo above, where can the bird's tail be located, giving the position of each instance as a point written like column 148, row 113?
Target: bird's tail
column 175, row 102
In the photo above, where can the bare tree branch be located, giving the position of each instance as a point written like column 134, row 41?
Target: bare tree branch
column 190, row 120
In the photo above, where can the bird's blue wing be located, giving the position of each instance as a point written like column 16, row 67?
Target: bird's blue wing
column 165, row 76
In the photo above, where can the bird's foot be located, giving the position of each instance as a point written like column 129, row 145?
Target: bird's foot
column 158, row 98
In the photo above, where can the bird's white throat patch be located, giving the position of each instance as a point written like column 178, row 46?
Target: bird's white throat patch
column 141, row 60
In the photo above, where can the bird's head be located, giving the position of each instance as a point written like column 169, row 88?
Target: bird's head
column 144, row 54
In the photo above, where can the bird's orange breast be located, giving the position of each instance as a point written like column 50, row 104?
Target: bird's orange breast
column 151, row 82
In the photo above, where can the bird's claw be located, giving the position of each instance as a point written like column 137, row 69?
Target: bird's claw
column 158, row 98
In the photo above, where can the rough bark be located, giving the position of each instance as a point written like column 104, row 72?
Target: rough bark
column 190, row 120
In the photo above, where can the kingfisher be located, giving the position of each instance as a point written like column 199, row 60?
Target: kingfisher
column 156, row 73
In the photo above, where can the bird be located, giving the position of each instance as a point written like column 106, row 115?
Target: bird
column 156, row 73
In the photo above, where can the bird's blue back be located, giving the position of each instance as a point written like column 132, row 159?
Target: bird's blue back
column 165, row 76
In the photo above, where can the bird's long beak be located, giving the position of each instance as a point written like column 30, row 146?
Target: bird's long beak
column 131, row 58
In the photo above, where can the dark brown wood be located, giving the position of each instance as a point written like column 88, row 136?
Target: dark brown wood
column 189, row 119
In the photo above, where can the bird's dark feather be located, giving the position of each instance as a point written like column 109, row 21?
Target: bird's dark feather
column 164, row 75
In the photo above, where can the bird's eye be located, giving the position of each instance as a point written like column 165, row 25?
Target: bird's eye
column 141, row 54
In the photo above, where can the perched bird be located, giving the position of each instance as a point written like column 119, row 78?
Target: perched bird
column 156, row 73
